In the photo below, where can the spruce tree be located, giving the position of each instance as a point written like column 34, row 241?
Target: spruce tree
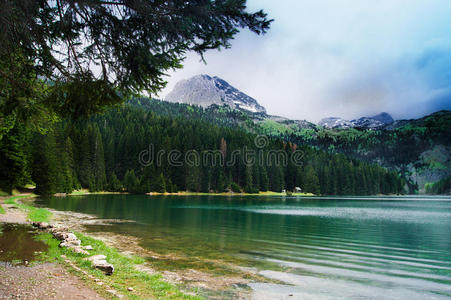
column 160, row 185
column 131, row 182
column 115, row 184
column 311, row 181
column 14, row 160
column 97, row 159
column 45, row 170
column 264, row 180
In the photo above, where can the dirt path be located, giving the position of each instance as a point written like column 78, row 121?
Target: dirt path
column 41, row 281
column 12, row 214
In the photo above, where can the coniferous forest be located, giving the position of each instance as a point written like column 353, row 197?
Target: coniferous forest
column 103, row 153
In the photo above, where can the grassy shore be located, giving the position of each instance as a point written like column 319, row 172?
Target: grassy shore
column 35, row 214
column 126, row 275
column 144, row 285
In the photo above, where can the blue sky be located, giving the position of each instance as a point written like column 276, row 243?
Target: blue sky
column 346, row 58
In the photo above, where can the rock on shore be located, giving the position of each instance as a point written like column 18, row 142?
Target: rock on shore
column 70, row 240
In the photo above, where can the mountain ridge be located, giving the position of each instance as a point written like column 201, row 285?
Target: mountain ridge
column 205, row 90
column 375, row 122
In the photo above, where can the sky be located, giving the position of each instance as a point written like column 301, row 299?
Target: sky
column 342, row 58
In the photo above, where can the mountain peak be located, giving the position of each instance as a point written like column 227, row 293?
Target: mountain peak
column 374, row 122
column 205, row 90
column 384, row 118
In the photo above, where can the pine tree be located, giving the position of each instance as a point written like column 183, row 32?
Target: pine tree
column 276, row 182
column 69, row 149
column 84, row 166
column 14, row 171
column 115, row 184
column 249, row 187
column 193, row 179
column 45, row 164
column 160, row 185
column 131, row 182
column 264, row 180
column 205, row 182
column 311, row 181
column 97, row 159
column 221, row 182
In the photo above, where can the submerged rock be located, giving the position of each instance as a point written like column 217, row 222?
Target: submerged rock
column 42, row 225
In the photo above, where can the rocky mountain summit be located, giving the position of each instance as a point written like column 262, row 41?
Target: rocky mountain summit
column 204, row 90
column 374, row 122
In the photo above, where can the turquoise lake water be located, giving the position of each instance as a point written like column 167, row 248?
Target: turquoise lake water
column 322, row 248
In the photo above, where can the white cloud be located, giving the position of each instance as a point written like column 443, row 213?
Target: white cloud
column 333, row 57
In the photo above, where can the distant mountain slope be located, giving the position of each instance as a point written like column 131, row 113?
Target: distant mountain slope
column 377, row 121
column 204, row 90
column 420, row 149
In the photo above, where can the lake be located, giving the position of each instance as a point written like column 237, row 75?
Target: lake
column 320, row 247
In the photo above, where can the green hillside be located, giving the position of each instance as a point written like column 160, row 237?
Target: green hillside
column 419, row 150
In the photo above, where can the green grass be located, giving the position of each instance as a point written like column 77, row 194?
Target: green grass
column 38, row 214
column 35, row 214
column 274, row 128
column 145, row 286
column 11, row 200
column 2, row 210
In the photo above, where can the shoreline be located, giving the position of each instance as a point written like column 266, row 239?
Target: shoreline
column 192, row 283
column 185, row 193
column 129, row 280
column 234, row 282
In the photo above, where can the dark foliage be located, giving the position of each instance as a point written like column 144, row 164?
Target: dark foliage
column 94, row 52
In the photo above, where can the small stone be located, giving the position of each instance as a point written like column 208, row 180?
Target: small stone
column 88, row 247
column 42, row 225
column 130, row 289
column 96, row 257
column 99, row 262
column 59, row 229
column 104, row 266
column 70, row 244
column 71, row 237
column 114, row 293
column 80, row 250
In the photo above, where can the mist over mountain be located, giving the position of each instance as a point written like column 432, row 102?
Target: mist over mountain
column 377, row 121
column 204, row 90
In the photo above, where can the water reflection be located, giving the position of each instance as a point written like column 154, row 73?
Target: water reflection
column 384, row 243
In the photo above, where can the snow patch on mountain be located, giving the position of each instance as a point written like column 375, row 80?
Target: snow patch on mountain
column 204, row 90
column 375, row 122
